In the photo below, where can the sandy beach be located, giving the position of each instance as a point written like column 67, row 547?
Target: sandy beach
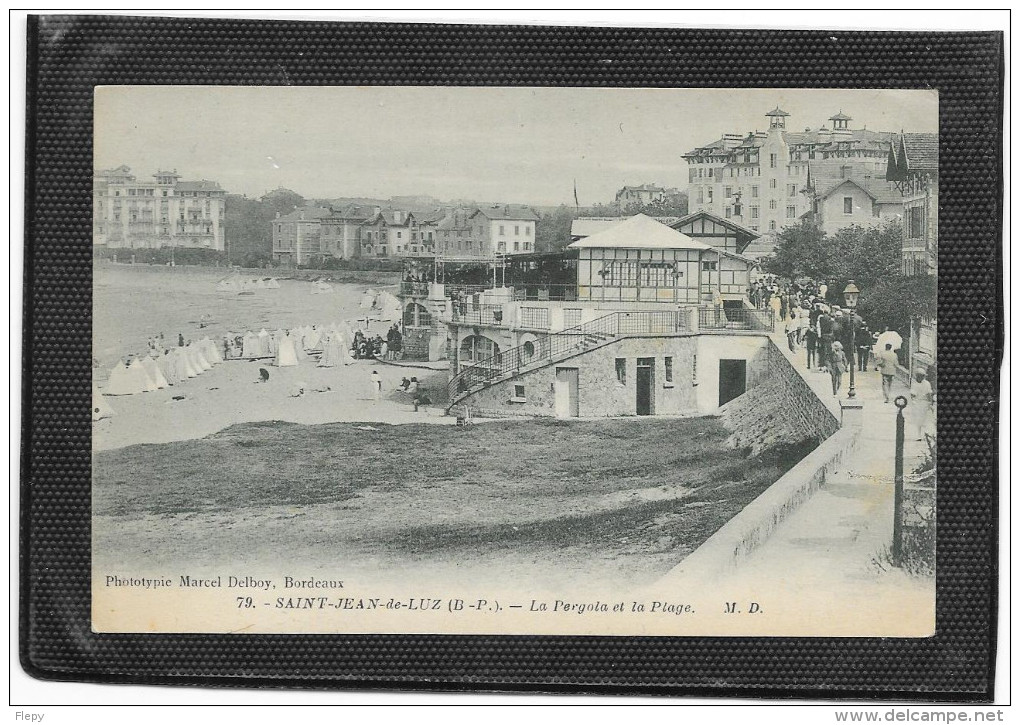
column 133, row 303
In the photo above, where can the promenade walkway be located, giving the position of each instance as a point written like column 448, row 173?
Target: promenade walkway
column 827, row 564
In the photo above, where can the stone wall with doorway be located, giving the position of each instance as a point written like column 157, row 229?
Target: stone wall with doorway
column 690, row 386
column 778, row 407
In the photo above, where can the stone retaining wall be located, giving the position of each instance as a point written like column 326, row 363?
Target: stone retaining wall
column 778, row 407
column 415, row 343
column 600, row 391
column 750, row 528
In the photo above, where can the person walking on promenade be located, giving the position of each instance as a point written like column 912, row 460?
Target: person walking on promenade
column 802, row 324
column 837, row 364
column 810, row 344
column 887, row 362
column 376, row 385
column 825, row 338
column 863, row 341
column 775, row 305
column 791, row 331
column 921, row 399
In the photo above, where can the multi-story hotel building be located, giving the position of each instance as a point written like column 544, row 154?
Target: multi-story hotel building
column 765, row 180
column 167, row 212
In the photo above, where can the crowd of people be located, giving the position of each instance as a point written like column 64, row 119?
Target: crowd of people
column 378, row 348
column 832, row 337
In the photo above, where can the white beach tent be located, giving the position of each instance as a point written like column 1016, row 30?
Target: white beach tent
column 139, row 378
column 272, row 283
column 210, row 351
column 197, row 358
column 250, row 345
column 286, row 355
column 332, row 350
column 154, row 373
column 119, row 382
column 169, row 365
column 184, row 364
column 264, row 343
column 312, row 338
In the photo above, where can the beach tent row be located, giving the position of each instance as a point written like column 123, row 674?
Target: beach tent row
column 160, row 369
column 288, row 348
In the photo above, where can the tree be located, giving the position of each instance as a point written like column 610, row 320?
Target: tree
column 892, row 301
column 865, row 255
column 552, row 231
column 248, row 225
column 672, row 205
column 800, row 251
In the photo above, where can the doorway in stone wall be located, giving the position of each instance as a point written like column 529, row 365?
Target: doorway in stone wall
column 732, row 379
column 645, row 384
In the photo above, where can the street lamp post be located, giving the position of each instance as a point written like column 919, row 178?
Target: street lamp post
column 850, row 295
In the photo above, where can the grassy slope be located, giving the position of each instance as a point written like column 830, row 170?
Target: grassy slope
column 538, row 484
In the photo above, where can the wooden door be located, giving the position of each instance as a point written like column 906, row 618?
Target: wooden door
column 567, row 393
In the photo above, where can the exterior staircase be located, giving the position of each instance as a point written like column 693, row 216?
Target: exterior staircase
column 558, row 346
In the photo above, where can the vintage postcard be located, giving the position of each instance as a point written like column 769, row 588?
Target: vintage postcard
column 576, row 361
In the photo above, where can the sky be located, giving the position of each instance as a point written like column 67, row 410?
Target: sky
column 522, row 145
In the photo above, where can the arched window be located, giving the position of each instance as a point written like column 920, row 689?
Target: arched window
column 416, row 315
column 477, row 347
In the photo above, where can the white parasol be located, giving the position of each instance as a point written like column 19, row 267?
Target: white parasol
column 889, row 337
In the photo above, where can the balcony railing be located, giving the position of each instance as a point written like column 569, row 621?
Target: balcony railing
column 454, row 290
column 543, row 292
column 477, row 314
column 735, row 318
column 415, row 289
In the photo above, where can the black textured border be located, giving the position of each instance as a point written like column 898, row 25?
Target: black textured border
column 68, row 56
